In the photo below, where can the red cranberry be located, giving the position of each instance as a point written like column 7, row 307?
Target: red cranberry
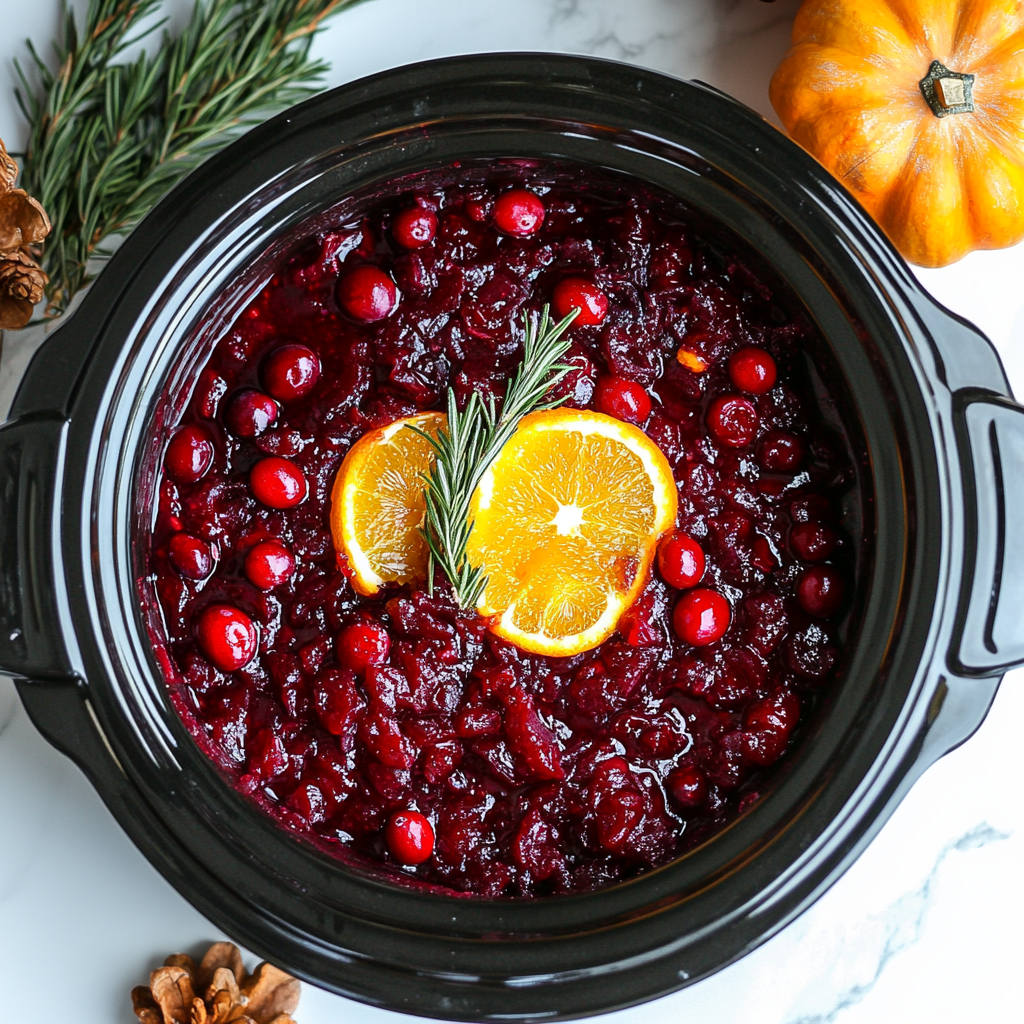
column 761, row 554
column 414, row 227
column 277, row 482
column 191, row 556
column 702, row 617
column 269, row 564
column 813, row 542
column 409, row 837
column 767, row 726
column 820, row 591
column 777, row 713
column 780, row 452
column 339, row 703
column 809, row 509
column 733, row 420
column 752, row 370
column 623, row 399
column 479, row 203
column 809, row 652
column 227, row 636
column 519, row 212
column 362, row 644
column 367, row 294
column 578, row 293
column 473, row 722
column 189, row 455
column 680, row 560
column 290, row 372
column 250, row 413
column 689, row 787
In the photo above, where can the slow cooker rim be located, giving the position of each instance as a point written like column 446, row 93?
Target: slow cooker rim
column 102, row 711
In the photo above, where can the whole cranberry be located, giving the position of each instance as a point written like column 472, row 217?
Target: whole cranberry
column 269, row 564
column 189, row 454
column 290, row 372
column 362, row 644
column 812, row 542
column 820, row 591
column 250, row 412
column 277, row 482
column 689, row 787
column 780, row 451
column 752, row 370
column 733, row 420
column 367, row 294
column 623, row 399
column 414, row 227
column 519, row 212
column 680, row 560
column 192, row 557
column 409, row 837
column 226, row 636
column 701, row 617
column 578, row 293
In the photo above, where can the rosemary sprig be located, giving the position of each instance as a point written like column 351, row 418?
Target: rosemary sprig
column 107, row 139
column 470, row 443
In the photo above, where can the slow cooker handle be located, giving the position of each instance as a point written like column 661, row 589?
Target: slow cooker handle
column 31, row 456
column 989, row 634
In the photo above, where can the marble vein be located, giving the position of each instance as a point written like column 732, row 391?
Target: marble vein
column 902, row 924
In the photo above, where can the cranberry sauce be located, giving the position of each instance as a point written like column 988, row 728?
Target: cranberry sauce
column 396, row 731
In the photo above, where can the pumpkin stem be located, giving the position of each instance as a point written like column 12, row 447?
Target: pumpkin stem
column 947, row 92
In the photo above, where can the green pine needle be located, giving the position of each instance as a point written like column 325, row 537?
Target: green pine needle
column 108, row 139
column 471, row 441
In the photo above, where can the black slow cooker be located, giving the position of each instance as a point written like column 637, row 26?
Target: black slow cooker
column 936, row 619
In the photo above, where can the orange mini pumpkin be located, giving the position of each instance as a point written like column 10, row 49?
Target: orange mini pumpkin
column 917, row 106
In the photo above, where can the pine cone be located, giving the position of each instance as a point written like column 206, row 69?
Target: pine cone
column 21, row 287
column 23, row 224
column 218, row 991
column 8, row 169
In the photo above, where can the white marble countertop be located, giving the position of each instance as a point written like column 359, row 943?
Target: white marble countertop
column 927, row 925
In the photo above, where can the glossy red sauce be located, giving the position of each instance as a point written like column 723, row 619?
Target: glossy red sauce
column 397, row 729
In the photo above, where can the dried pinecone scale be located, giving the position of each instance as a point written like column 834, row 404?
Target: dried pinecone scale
column 23, row 226
column 217, row 991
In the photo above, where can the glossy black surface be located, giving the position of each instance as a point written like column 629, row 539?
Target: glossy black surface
column 931, row 631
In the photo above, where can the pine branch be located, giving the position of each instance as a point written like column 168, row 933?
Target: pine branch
column 471, row 441
column 108, row 139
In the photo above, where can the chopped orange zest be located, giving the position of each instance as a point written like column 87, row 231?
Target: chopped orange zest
column 377, row 504
column 565, row 525
column 691, row 361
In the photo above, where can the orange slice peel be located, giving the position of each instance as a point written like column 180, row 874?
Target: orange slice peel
column 566, row 521
column 377, row 504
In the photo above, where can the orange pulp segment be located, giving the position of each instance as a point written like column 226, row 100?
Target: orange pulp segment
column 565, row 525
column 691, row 360
column 377, row 504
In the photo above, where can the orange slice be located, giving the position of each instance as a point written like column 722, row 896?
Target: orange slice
column 377, row 503
column 565, row 524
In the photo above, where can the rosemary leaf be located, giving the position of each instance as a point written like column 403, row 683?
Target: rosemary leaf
column 471, row 441
column 107, row 139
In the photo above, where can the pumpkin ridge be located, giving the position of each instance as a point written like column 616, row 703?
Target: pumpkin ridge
column 978, row 23
column 999, row 63
column 1007, row 141
column 819, row 22
column 928, row 30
